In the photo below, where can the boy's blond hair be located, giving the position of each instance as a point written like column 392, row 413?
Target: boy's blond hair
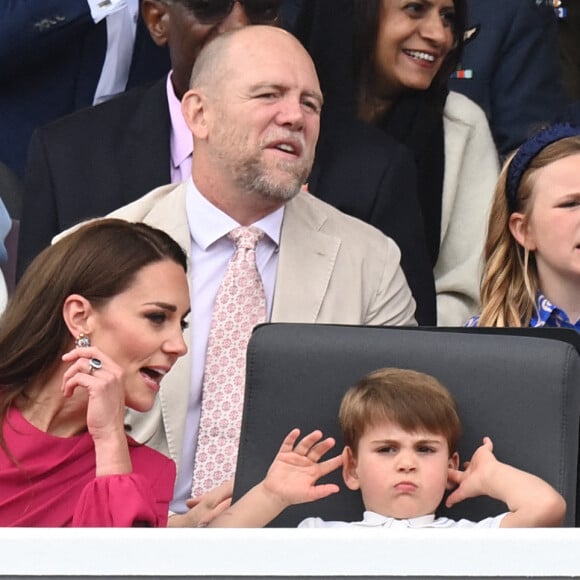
column 415, row 401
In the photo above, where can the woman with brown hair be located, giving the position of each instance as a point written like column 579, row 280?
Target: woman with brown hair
column 93, row 326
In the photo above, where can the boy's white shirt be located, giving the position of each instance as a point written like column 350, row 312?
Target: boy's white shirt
column 374, row 520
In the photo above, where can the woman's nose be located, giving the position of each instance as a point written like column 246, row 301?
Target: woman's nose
column 434, row 29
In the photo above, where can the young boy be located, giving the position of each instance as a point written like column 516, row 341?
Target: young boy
column 401, row 430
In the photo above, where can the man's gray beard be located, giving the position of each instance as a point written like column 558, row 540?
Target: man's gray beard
column 252, row 179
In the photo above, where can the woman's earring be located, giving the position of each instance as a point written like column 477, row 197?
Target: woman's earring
column 82, row 341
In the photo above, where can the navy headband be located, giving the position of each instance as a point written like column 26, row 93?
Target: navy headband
column 522, row 159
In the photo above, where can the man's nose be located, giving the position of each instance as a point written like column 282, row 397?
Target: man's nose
column 291, row 113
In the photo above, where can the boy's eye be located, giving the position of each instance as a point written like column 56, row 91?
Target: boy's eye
column 425, row 449
column 184, row 325
column 387, row 449
column 570, row 203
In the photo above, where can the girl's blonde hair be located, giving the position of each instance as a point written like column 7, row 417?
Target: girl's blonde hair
column 510, row 276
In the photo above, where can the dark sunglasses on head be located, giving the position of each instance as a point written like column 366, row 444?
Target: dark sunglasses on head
column 214, row 11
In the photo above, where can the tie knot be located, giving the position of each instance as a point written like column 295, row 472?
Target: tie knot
column 246, row 237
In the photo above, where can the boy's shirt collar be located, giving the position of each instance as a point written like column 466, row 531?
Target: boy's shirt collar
column 374, row 520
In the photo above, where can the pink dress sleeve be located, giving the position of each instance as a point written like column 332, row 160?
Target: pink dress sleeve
column 138, row 499
column 120, row 501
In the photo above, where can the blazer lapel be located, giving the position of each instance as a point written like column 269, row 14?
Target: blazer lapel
column 306, row 262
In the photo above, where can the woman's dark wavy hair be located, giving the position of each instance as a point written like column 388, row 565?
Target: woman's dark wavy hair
column 98, row 261
column 366, row 17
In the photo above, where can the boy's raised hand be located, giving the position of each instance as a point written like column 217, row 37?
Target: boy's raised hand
column 472, row 482
column 290, row 480
column 531, row 501
column 296, row 468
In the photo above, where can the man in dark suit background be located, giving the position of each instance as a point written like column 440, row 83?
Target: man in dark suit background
column 510, row 67
column 568, row 13
column 94, row 161
column 367, row 174
column 52, row 54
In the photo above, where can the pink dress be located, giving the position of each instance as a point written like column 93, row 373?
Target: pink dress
column 53, row 482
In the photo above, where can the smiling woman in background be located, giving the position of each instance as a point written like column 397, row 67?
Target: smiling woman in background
column 93, row 326
column 402, row 53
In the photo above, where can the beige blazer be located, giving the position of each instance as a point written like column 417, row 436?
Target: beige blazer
column 332, row 269
column 471, row 171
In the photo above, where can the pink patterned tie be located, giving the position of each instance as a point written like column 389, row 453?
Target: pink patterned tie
column 240, row 305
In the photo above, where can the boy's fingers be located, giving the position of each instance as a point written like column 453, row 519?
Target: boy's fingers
column 455, row 496
column 455, row 476
column 324, row 490
column 487, row 442
column 451, row 501
column 304, row 446
column 289, row 441
column 330, row 465
column 319, row 449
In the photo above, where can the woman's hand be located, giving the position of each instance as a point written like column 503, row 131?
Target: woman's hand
column 104, row 385
column 205, row 508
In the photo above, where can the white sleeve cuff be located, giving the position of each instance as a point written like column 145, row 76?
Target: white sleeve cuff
column 102, row 8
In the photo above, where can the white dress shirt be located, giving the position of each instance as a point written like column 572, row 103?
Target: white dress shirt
column 374, row 520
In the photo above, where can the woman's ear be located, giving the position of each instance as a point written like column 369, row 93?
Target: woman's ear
column 77, row 313
column 349, row 471
column 453, row 463
column 157, row 18
column 520, row 230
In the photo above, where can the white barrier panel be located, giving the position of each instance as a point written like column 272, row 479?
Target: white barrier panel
column 456, row 553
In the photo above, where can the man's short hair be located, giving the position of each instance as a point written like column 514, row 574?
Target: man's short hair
column 210, row 66
column 415, row 401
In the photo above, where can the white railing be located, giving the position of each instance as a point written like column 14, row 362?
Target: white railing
column 455, row 553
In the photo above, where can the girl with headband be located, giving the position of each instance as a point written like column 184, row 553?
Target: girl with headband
column 532, row 254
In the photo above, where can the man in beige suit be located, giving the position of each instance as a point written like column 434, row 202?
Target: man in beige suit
column 254, row 110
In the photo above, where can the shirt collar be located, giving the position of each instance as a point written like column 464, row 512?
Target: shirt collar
column 181, row 140
column 215, row 224
column 549, row 315
column 372, row 519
